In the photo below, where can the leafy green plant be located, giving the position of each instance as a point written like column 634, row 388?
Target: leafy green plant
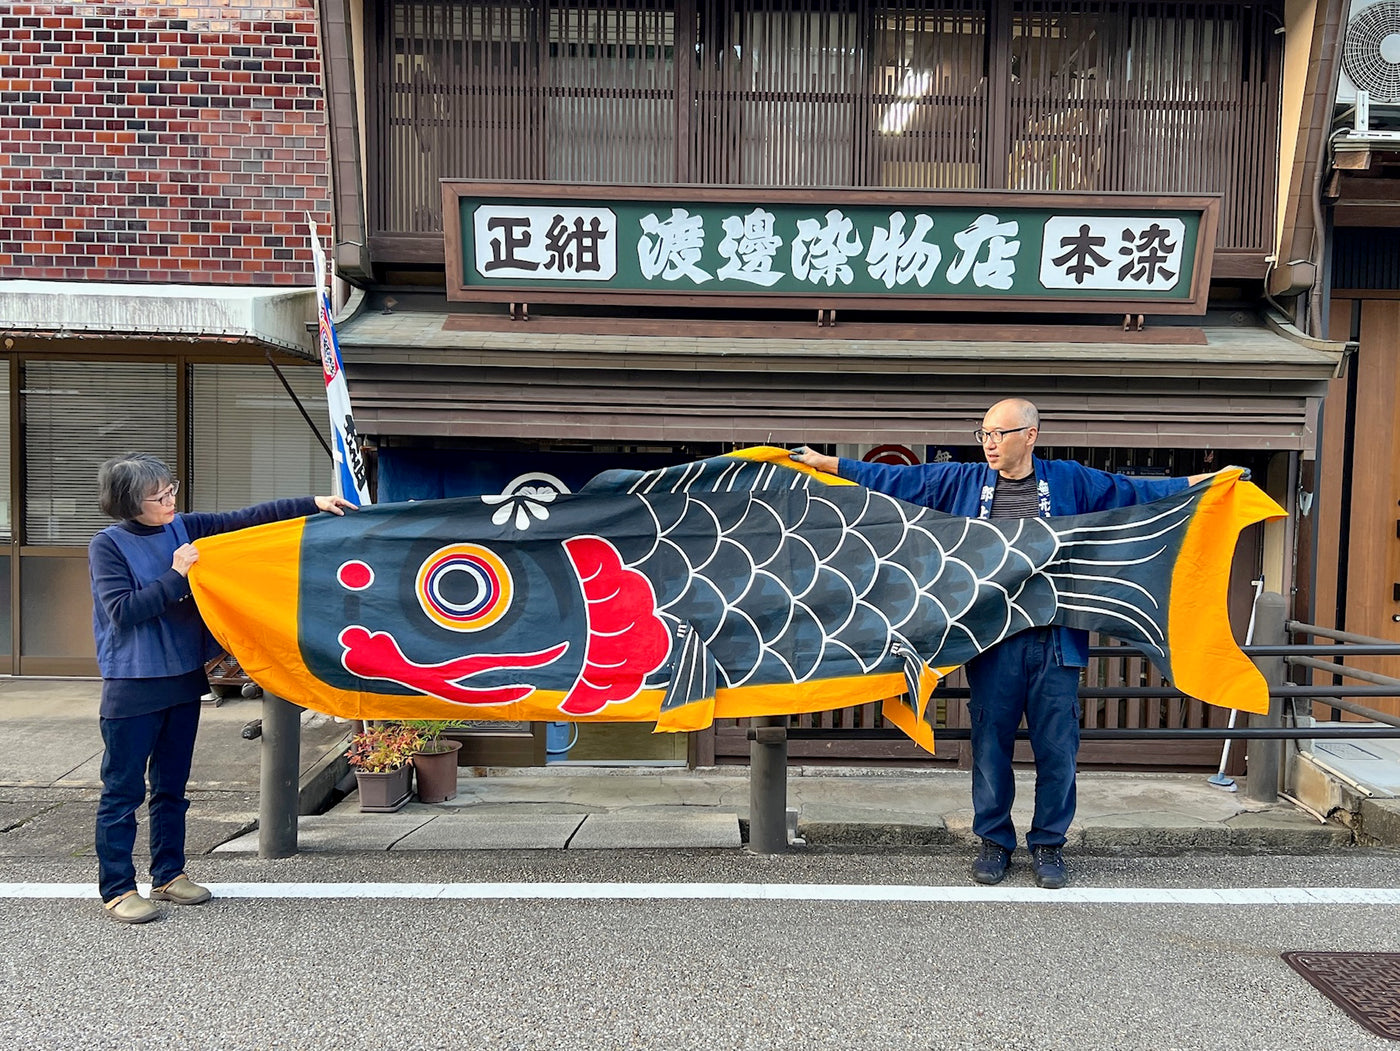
column 377, row 749
column 430, row 730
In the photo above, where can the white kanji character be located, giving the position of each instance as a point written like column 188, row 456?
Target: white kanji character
column 894, row 259
column 820, row 251
column 749, row 245
column 998, row 269
column 670, row 248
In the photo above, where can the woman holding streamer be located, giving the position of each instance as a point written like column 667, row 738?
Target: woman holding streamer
column 151, row 650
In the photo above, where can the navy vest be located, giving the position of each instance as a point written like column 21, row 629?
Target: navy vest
column 176, row 642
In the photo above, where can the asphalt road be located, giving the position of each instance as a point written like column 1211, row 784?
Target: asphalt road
column 383, row 971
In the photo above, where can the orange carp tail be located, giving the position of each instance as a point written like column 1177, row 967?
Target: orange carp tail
column 1205, row 660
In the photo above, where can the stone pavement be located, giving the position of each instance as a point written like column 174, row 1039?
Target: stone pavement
column 50, row 752
column 581, row 808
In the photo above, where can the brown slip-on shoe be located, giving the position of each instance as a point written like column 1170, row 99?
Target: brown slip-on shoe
column 182, row 891
column 131, row 908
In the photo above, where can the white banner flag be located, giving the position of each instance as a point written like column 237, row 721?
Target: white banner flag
column 350, row 480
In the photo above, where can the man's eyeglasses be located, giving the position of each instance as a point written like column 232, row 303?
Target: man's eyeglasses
column 997, row 436
column 165, row 496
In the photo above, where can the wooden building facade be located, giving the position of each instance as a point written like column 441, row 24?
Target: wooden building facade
column 378, row 115
column 1003, row 104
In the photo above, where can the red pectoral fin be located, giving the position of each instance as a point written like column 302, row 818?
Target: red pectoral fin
column 627, row 640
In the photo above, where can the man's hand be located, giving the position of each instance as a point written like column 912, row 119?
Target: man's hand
column 1194, row 478
column 816, row 461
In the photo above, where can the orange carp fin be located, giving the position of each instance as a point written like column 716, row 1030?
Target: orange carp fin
column 901, row 715
column 1206, row 662
column 908, row 710
column 781, row 458
column 698, row 715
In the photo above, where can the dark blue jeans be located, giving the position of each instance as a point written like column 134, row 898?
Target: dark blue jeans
column 1021, row 677
column 162, row 742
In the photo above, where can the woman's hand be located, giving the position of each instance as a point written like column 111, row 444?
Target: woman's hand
column 335, row 505
column 185, row 556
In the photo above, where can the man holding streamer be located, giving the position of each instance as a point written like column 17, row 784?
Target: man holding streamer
column 1033, row 674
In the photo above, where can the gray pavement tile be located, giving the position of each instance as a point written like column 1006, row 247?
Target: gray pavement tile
column 1265, row 830
column 212, row 822
column 1373, row 763
column 53, row 828
column 601, row 789
column 658, row 827
column 53, row 750
column 515, row 830
column 65, row 827
column 363, row 832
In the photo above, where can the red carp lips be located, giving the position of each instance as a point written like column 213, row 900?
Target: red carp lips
column 626, row 642
column 376, row 655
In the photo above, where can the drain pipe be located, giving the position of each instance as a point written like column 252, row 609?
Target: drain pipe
column 1336, row 15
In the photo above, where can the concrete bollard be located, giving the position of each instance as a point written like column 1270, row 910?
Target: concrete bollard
column 1263, row 757
column 768, row 785
column 279, row 777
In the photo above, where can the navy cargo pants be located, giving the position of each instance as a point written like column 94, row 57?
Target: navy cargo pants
column 1023, row 677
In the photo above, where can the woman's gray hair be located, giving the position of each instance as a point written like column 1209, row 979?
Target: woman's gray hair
column 125, row 482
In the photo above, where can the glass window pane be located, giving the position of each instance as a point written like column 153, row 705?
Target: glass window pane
column 56, row 606
column 6, row 624
column 77, row 414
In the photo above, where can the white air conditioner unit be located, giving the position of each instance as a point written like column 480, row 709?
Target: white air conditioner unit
column 1370, row 75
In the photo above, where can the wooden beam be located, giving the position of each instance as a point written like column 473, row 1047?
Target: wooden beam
column 1160, row 335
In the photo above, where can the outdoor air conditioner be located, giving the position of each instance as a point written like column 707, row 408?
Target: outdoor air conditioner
column 1369, row 80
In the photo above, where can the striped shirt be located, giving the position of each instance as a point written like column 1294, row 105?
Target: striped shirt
column 1016, row 499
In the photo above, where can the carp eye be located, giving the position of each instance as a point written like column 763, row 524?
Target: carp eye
column 355, row 575
column 464, row 587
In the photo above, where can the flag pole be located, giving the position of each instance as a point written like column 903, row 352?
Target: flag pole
column 350, row 479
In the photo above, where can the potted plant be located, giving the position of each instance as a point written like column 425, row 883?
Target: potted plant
column 382, row 757
column 435, row 760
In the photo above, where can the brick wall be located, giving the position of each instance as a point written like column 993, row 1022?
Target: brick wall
column 161, row 142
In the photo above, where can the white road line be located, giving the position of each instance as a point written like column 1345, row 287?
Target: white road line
column 835, row 892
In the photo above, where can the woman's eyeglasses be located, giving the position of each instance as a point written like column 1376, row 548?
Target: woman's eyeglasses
column 165, row 496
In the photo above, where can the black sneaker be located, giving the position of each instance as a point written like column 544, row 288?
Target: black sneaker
column 991, row 863
column 1049, row 865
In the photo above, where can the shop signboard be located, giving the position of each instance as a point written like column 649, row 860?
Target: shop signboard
column 902, row 249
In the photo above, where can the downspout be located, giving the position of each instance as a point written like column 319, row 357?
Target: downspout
column 1322, row 270
column 350, row 253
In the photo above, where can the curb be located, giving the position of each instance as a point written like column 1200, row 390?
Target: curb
column 1379, row 824
column 873, row 834
column 317, row 785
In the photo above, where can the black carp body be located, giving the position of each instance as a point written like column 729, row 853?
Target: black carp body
column 727, row 572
